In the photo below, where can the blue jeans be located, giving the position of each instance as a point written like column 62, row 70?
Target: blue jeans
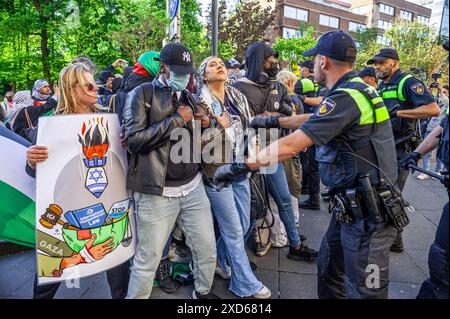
column 426, row 160
column 156, row 216
column 231, row 208
column 278, row 188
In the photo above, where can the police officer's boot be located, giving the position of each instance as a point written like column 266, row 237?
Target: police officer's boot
column 397, row 246
column 313, row 202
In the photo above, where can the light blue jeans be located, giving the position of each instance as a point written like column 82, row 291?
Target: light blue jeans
column 156, row 216
column 427, row 160
column 278, row 188
column 231, row 208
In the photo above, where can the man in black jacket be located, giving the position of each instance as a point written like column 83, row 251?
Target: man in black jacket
column 267, row 96
column 166, row 190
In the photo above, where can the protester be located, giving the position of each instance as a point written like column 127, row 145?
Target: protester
column 234, row 70
column 41, row 92
column 432, row 124
column 164, row 191
column 267, row 96
column 21, row 99
column 225, row 108
column 369, row 76
column 7, row 103
column 77, row 95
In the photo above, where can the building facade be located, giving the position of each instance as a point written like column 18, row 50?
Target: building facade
column 439, row 15
column 324, row 15
column 381, row 13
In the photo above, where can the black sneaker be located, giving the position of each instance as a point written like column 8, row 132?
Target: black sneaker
column 166, row 282
column 304, row 253
column 196, row 295
column 313, row 202
column 303, row 237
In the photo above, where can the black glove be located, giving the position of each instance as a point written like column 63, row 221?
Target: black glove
column 228, row 173
column 410, row 159
column 260, row 121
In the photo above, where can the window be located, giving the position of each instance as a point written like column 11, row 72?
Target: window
column 353, row 26
column 289, row 33
column 406, row 15
column 386, row 9
column 383, row 24
column 382, row 40
column 329, row 21
column 294, row 13
column 423, row 19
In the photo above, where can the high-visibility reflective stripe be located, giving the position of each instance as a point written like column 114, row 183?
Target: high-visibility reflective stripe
column 382, row 114
column 307, row 85
column 366, row 107
column 389, row 95
column 377, row 100
column 400, row 87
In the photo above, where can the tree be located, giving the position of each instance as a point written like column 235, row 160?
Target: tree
column 144, row 27
column 418, row 45
column 291, row 50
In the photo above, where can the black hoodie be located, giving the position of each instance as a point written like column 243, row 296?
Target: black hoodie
column 263, row 94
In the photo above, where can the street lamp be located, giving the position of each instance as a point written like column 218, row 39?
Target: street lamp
column 214, row 27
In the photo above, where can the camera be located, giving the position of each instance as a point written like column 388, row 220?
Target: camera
column 436, row 76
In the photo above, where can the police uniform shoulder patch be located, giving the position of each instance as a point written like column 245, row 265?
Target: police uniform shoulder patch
column 326, row 107
column 418, row 88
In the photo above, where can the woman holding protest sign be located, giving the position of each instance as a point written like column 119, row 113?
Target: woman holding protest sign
column 78, row 95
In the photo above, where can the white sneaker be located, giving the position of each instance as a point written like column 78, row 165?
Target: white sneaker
column 225, row 275
column 422, row 176
column 263, row 293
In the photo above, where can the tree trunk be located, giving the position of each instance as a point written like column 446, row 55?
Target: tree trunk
column 45, row 54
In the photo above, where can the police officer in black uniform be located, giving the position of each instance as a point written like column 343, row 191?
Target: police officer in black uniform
column 356, row 144
column 308, row 88
column 436, row 287
column 407, row 100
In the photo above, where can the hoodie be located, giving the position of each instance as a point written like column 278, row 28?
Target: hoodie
column 263, row 94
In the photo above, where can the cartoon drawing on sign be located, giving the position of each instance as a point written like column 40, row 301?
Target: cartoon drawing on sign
column 94, row 141
column 98, row 225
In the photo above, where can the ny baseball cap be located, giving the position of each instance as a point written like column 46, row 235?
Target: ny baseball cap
column 309, row 64
column 368, row 71
column 387, row 53
column 337, row 45
column 178, row 58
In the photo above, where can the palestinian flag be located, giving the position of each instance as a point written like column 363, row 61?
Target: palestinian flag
column 17, row 191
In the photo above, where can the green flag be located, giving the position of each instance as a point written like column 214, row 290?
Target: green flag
column 17, row 191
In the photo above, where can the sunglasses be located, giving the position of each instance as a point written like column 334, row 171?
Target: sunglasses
column 90, row 86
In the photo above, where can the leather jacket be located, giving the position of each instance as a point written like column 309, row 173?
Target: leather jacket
column 149, row 117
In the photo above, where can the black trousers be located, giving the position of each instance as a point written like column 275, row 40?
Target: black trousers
column 304, row 165
column 436, row 287
column 313, row 170
column 118, row 278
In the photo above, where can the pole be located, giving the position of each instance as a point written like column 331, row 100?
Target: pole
column 214, row 27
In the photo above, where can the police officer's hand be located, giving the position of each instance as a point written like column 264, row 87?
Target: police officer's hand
column 260, row 121
column 410, row 159
column 228, row 173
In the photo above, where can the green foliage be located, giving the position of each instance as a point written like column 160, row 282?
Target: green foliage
column 291, row 50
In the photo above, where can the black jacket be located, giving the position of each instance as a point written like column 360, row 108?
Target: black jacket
column 21, row 126
column 149, row 117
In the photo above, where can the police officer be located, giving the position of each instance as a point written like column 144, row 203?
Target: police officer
column 407, row 100
column 353, row 131
column 308, row 89
column 436, row 287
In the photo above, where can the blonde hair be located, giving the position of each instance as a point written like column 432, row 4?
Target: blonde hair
column 69, row 77
column 284, row 76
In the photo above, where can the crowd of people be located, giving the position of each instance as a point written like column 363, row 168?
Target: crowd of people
column 213, row 209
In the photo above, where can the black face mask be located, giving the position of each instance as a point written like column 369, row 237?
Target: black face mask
column 273, row 71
